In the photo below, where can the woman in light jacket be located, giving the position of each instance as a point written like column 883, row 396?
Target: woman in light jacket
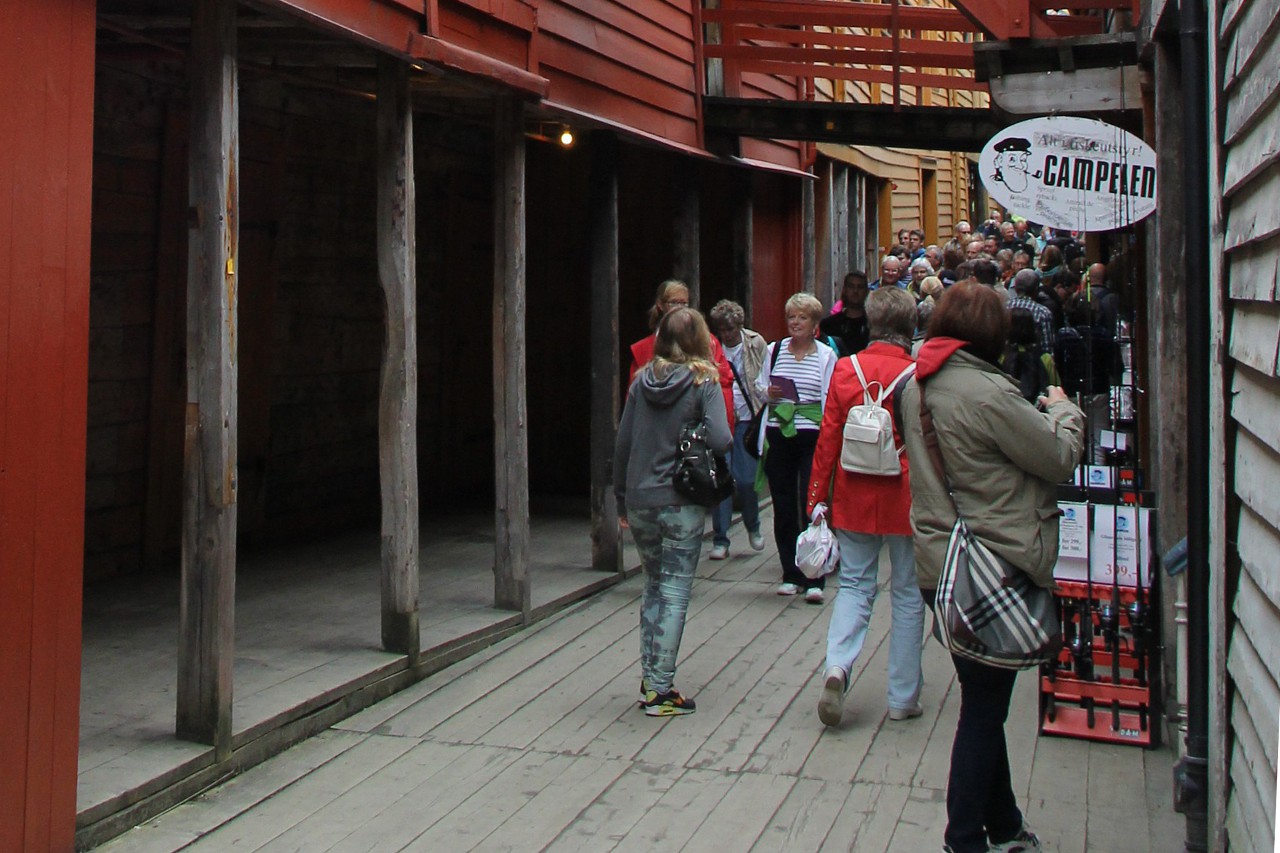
column 1003, row 459
column 867, row 512
column 787, row 443
column 745, row 351
column 679, row 384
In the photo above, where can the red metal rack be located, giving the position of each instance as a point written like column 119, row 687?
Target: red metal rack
column 1103, row 685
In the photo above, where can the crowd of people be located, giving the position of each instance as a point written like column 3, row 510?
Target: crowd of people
column 987, row 324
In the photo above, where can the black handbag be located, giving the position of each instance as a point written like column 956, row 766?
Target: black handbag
column 702, row 475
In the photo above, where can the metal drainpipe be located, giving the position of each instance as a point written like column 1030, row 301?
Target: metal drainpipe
column 1191, row 786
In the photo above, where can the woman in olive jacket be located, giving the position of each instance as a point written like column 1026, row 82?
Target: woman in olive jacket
column 1003, row 459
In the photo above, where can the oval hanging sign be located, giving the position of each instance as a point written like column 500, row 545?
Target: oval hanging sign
column 1070, row 173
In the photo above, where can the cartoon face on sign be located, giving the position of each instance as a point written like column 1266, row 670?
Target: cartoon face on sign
column 1070, row 173
column 1012, row 156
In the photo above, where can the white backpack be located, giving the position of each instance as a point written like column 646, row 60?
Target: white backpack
column 868, row 446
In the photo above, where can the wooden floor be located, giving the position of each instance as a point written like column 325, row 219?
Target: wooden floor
column 307, row 629
column 537, row 744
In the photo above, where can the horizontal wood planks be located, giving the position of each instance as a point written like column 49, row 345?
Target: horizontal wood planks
column 537, row 744
column 46, row 90
column 629, row 63
column 1250, row 41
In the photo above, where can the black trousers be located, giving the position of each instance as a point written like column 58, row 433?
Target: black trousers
column 787, row 467
column 981, row 806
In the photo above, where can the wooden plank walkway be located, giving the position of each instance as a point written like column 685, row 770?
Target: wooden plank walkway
column 307, row 630
column 536, row 743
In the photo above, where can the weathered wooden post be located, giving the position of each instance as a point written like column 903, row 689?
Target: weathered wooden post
column 606, row 543
column 511, row 437
column 207, row 598
column 808, row 238
column 687, row 265
column 743, row 247
column 398, row 396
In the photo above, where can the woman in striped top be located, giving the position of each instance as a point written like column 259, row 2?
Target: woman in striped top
column 799, row 369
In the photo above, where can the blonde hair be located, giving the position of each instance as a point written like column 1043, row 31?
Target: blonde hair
column 805, row 302
column 683, row 338
column 665, row 292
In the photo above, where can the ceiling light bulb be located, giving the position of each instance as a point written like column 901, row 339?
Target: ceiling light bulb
column 566, row 137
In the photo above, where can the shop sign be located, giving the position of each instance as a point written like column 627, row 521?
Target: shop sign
column 1070, row 173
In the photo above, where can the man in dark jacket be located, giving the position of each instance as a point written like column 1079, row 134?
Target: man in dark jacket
column 848, row 330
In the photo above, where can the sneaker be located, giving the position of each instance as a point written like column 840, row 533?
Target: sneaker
column 899, row 714
column 669, row 704
column 813, row 595
column 831, row 703
column 644, row 692
column 1024, row 842
column 788, row 589
column 719, row 552
column 757, row 541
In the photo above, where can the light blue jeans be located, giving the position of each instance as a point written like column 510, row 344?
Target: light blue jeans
column 851, row 612
column 669, row 539
column 743, row 468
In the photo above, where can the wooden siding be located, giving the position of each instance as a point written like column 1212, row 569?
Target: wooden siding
column 629, row 63
column 46, row 90
column 1250, row 153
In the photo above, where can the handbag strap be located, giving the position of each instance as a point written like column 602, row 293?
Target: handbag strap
column 934, row 449
column 746, row 395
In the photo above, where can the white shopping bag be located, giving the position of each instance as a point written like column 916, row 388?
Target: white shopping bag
column 817, row 553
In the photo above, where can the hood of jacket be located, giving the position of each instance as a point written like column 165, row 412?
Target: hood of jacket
column 934, row 353
column 665, row 391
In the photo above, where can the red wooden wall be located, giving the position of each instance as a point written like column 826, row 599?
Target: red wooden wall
column 775, row 220
column 46, row 97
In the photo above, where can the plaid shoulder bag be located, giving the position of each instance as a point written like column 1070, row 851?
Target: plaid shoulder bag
column 988, row 609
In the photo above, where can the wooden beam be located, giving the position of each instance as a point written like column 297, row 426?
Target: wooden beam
column 824, row 243
column 961, row 129
column 606, row 541
column 511, row 437
column 808, row 238
column 840, row 220
column 1090, row 90
column 686, row 225
column 743, row 247
column 398, row 396
column 207, row 597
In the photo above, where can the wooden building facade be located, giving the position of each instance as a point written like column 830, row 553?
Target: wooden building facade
column 271, row 270
column 1245, row 177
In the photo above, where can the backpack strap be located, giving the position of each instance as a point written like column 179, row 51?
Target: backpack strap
column 885, row 390
column 862, row 377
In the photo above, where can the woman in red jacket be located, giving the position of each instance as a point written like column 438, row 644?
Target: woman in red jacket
column 868, row 511
column 673, row 294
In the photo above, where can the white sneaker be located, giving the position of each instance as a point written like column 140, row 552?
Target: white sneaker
column 1024, row 842
column 813, row 595
column 719, row 552
column 788, row 589
column 831, row 703
column 899, row 714
column 757, row 541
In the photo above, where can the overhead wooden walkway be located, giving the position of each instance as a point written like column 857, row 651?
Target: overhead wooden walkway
column 893, row 73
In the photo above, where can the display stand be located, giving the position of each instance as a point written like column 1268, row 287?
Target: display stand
column 1104, row 685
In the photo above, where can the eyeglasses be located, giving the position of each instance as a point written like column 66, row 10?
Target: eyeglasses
column 677, row 303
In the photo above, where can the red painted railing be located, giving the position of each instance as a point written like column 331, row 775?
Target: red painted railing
column 881, row 42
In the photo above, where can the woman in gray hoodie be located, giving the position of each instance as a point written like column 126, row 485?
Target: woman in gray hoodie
column 679, row 385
